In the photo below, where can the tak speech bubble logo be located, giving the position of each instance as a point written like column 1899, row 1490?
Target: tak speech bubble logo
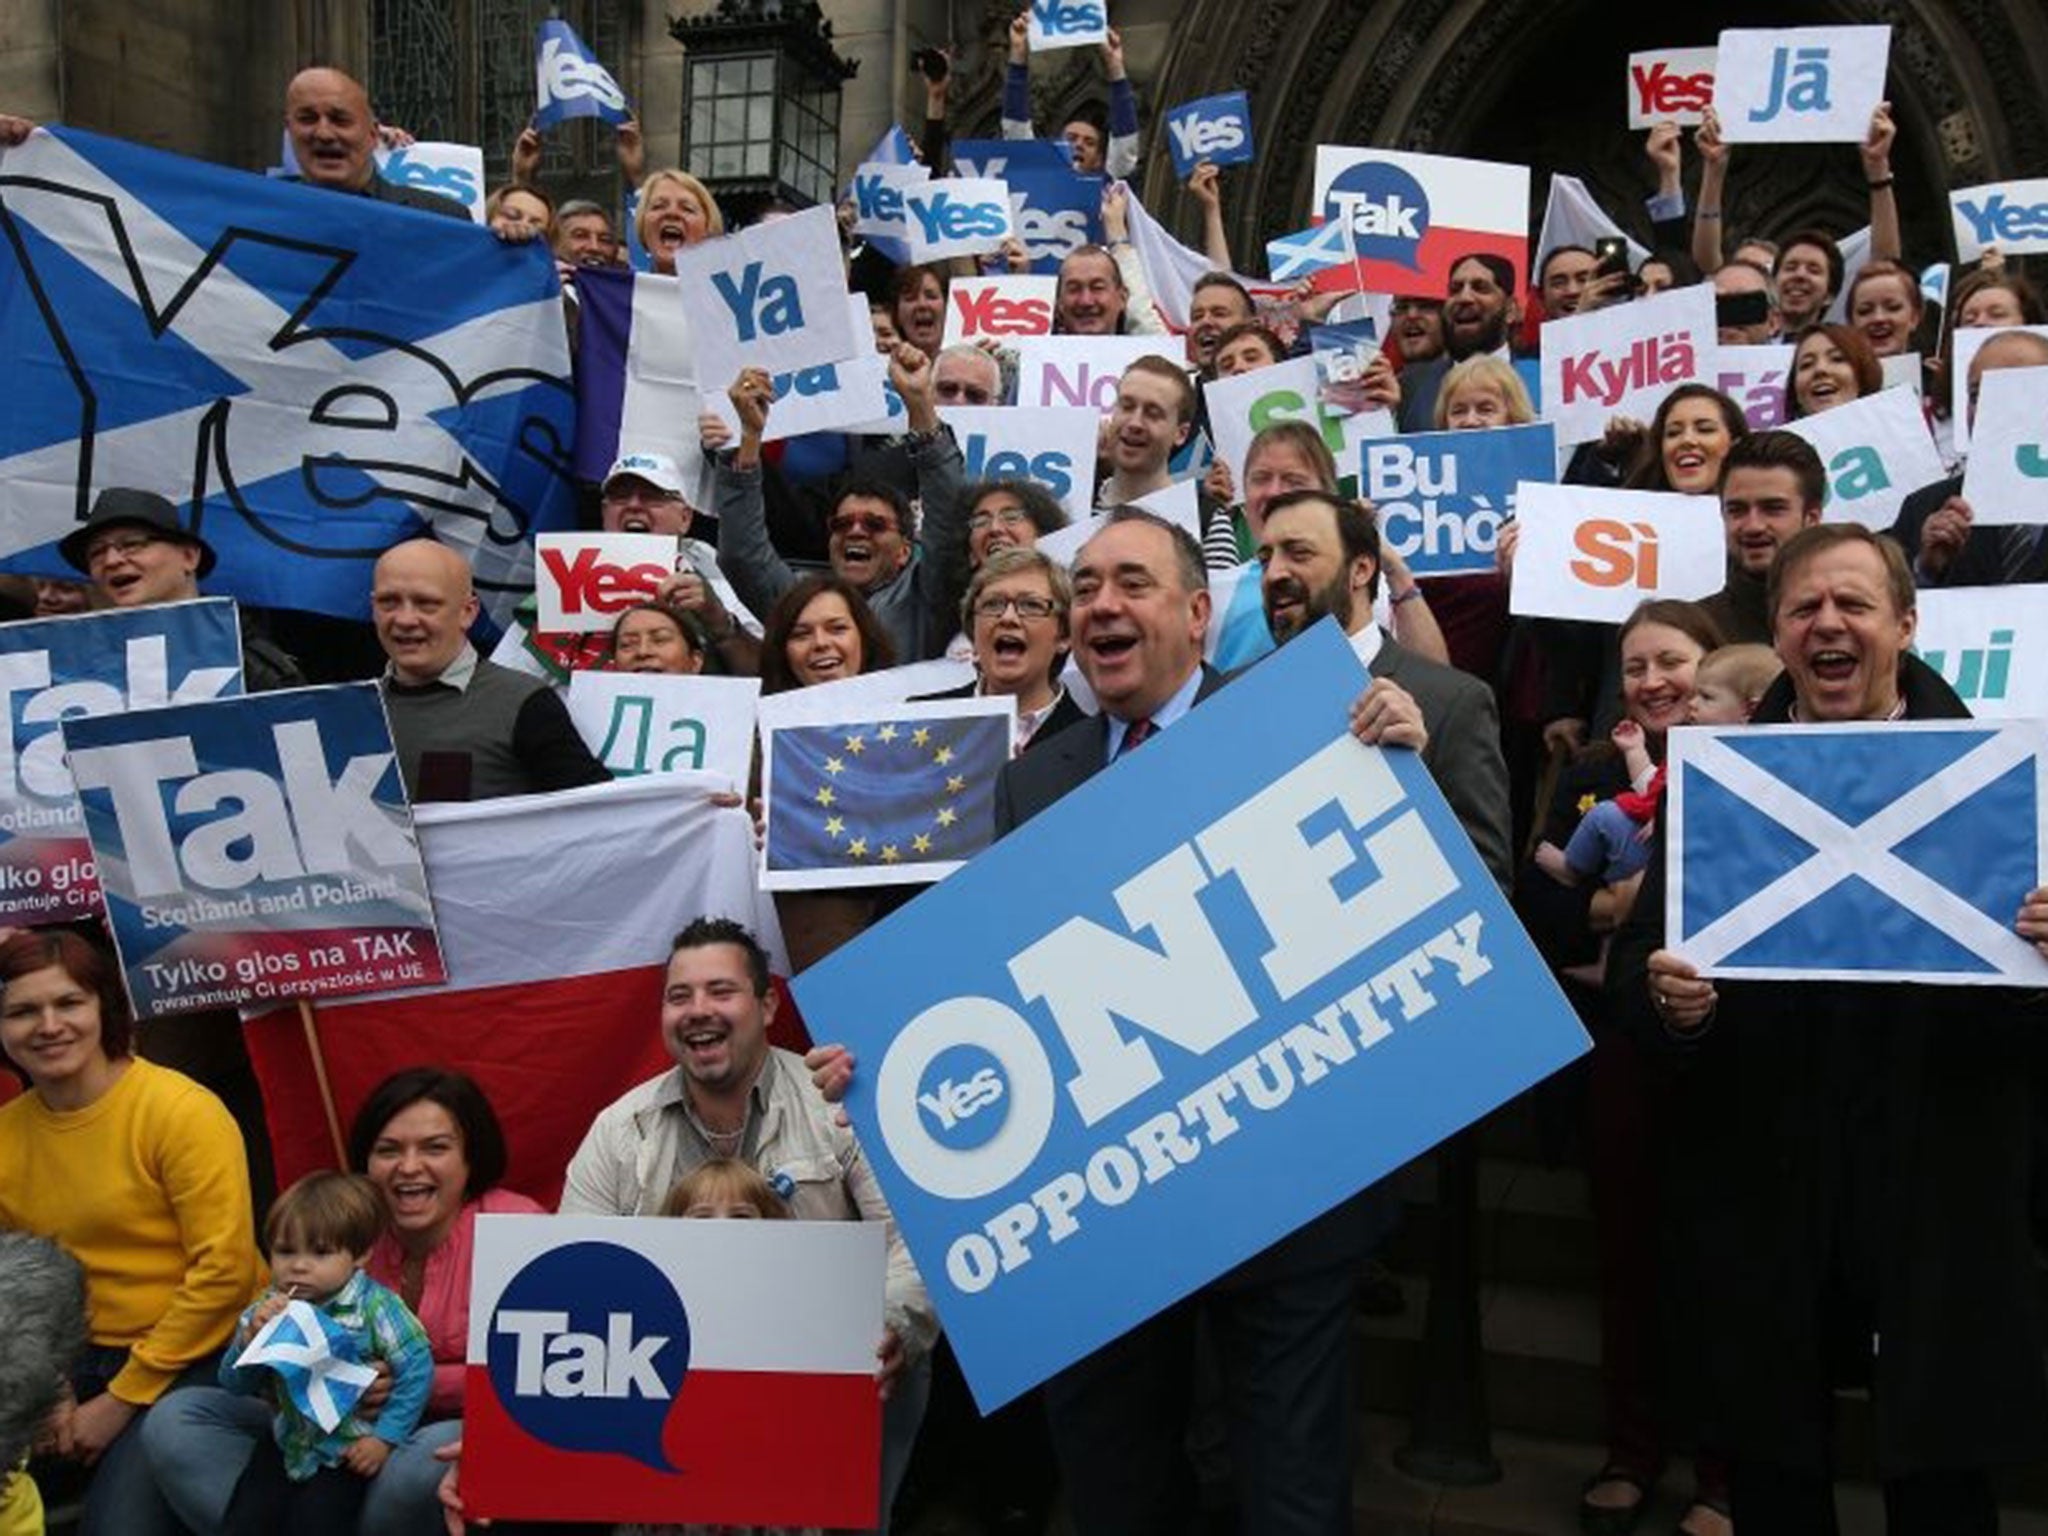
column 1388, row 210
column 588, row 1347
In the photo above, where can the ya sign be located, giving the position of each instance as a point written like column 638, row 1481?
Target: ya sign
column 773, row 297
column 1877, row 450
column 1266, row 958
column 1800, row 85
column 255, row 848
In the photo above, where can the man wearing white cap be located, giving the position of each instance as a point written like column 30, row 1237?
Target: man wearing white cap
column 644, row 493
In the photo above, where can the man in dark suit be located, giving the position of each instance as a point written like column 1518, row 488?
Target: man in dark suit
column 1935, row 525
column 1279, row 1321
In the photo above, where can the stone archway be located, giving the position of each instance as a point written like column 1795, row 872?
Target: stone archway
column 1541, row 82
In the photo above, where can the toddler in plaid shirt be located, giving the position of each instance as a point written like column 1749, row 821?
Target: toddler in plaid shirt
column 307, row 1479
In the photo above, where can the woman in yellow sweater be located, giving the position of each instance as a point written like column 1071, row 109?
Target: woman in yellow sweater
column 138, row 1172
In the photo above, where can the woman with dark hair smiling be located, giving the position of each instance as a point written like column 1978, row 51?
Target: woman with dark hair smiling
column 431, row 1143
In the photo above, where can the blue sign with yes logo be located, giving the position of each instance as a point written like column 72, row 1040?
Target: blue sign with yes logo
column 1212, row 992
column 570, row 81
column 1216, row 128
column 1054, row 209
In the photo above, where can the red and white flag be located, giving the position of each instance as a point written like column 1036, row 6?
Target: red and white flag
column 555, row 913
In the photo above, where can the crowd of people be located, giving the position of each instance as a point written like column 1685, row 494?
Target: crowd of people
column 1798, row 1186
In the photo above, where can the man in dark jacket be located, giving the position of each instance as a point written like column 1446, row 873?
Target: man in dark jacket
column 1854, row 1206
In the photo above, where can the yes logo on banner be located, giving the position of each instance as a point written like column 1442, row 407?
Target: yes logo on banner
column 1990, row 644
column 1000, row 307
column 1623, row 361
column 772, row 296
column 1053, row 446
column 1065, row 23
column 453, row 170
column 1216, row 128
column 1755, row 378
column 1054, row 209
column 2006, row 480
column 2012, row 215
column 877, row 194
column 584, row 581
column 312, row 378
column 640, row 723
column 255, row 848
column 1670, row 85
column 957, row 216
column 1857, row 852
column 1595, row 554
column 1800, row 85
column 89, row 664
column 1442, row 496
column 1413, row 216
column 1256, row 955
column 571, row 83
column 1877, row 450
column 622, row 1369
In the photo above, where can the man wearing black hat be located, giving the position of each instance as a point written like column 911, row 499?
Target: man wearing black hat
column 136, row 552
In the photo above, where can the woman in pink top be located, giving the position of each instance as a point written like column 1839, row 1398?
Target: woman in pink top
column 430, row 1142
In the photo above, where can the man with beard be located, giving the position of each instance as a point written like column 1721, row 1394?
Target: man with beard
column 1418, row 330
column 1479, row 315
column 1320, row 554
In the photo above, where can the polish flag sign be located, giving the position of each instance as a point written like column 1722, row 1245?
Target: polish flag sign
column 555, row 914
column 1413, row 216
column 635, row 1369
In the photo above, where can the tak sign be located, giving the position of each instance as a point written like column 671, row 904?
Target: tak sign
column 1216, row 128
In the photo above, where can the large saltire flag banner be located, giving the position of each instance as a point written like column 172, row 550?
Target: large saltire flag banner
column 639, row 1368
column 89, row 664
column 311, row 376
column 555, row 914
column 1893, row 852
column 255, row 848
column 1214, row 991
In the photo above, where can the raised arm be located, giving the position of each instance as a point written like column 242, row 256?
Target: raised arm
column 1885, row 244
column 1706, row 219
column 1017, row 81
column 1206, row 187
column 757, row 573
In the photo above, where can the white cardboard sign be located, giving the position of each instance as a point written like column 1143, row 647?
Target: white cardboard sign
column 1623, row 361
column 1800, row 85
column 2007, row 477
column 772, row 296
column 1595, row 554
column 1877, row 450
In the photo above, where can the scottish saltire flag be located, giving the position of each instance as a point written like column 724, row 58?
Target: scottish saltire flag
column 1293, row 257
column 569, row 82
column 895, row 800
column 311, row 376
column 314, row 1360
column 1894, row 852
column 636, row 379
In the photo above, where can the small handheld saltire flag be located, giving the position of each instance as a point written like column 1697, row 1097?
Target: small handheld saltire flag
column 898, row 800
column 312, row 377
column 1309, row 251
column 1893, row 852
column 569, row 80
column 313, row 1358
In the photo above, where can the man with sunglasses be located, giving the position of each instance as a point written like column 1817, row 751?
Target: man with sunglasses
column 872, row 529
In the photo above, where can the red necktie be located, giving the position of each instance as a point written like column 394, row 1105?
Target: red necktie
column 1136, row 734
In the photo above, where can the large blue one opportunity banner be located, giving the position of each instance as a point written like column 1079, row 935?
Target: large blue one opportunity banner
column 310, row 375
column 1211, row 993
column 255, row 848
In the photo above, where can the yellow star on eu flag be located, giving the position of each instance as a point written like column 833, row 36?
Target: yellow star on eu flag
column 889, row 853
column 858, row 848
column 946, row 816
column 834, row 825
column 921, row 843
column 856, row 745
column 835, row 765
column 920, row 737
column 886, row 733
column 825, row 796
column 955, row 783
column 943, row 756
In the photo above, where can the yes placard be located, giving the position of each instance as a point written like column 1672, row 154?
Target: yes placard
column 1670, row 85
column 877, row 194
column 958, row 216
column 1877, row 450
column 1623, row 361
column 1800, row 85
column 1054, row 446
column 584, row 581
column 1216, row 128
column 999, row 307
column 1065, row 23
column 2012, row 215
column 1595, row 554
column 772, row 296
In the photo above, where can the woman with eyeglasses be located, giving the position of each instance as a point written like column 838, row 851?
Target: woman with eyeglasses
column 1015, row 615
